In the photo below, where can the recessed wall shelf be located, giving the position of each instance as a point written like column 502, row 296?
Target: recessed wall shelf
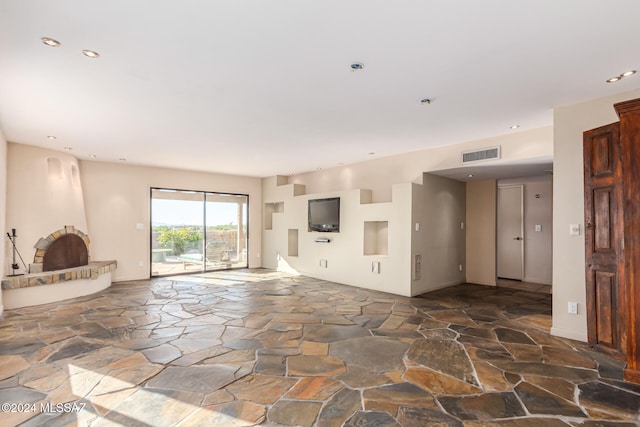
column 292, row 242
column 269, row 210
column 376, row 238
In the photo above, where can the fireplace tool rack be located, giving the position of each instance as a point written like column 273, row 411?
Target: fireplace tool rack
column 14, row 265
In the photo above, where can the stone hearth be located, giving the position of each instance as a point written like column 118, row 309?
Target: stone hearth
column 90, row 271
column 52, row 286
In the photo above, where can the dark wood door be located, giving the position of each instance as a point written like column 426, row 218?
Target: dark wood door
column 604, row 240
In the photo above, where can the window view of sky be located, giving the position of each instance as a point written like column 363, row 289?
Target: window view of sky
column 184, row 212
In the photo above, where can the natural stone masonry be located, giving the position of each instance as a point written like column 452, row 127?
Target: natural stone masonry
column 256, row 347
column 90, row 271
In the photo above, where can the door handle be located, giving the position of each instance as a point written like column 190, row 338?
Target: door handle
column 518, row 238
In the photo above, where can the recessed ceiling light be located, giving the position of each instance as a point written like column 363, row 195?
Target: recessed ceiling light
column 93, row 156
column 50, row 42
column 470, row 175
column 122, row 159
column 318, row 169
column 371, row 153
column 68, row 148
column 514, row 127
column 425, row 101
column 90, row 53
column 341, row 164
column 357, row 66
column 625, row 74
column 51, row 137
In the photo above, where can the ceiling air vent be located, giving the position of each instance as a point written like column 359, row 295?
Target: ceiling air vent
column 480, row 155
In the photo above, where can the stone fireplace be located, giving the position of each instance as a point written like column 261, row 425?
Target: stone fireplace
column 61, row 260
column 62, row 249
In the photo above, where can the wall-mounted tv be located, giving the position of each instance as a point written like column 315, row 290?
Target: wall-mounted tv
column 324, row 215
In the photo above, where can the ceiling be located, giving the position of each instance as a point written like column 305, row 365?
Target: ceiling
column 265, row 87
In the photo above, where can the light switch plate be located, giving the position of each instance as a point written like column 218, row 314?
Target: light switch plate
column 538, row 227
column 574, row 229
column 572, row 307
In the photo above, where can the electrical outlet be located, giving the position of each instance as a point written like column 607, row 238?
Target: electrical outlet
column 572, row 307
column 417, row 267
column 375, row 267
column 460, row 267
column 323, row 263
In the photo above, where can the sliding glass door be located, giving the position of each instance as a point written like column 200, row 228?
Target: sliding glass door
column 195, row 231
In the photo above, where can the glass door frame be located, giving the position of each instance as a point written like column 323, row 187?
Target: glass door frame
column 204, row 263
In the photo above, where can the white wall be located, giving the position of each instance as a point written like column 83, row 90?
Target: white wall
column 345, row 254
column 3, row 206
column 568, row 200
column 117, row 197
column 537, row 211
column 438, row 205
column 380, row 174
column 44, row 194
column 481, row 232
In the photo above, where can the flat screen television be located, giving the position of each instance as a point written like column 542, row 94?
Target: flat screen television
column 324, row 215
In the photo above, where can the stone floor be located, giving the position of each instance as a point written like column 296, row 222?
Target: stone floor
column 524, row 286
column 251, row 347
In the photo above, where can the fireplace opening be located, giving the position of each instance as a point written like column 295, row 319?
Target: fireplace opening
column 67, row 251
column 63, row 249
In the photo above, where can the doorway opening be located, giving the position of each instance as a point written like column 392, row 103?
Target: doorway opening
column 524, row 233
column 510, row 231
column 197, row 231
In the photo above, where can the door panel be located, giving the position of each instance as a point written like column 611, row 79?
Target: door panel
column 226, row 231
column 605, row 291
column 604, row 240
column 602, row 200
column 510, row 229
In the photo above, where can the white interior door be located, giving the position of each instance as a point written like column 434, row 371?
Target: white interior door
column 510, row 233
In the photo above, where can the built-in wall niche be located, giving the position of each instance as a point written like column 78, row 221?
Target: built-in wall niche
column 376, row 237
column 293, row 242
column 269, row 210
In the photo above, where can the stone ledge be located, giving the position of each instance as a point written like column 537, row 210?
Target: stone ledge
column 89, row 271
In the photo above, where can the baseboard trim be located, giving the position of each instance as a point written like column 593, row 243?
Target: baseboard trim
column 431, row 288
column 572, row 335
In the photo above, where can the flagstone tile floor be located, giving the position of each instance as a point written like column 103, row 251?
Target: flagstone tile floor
column 256, row 347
